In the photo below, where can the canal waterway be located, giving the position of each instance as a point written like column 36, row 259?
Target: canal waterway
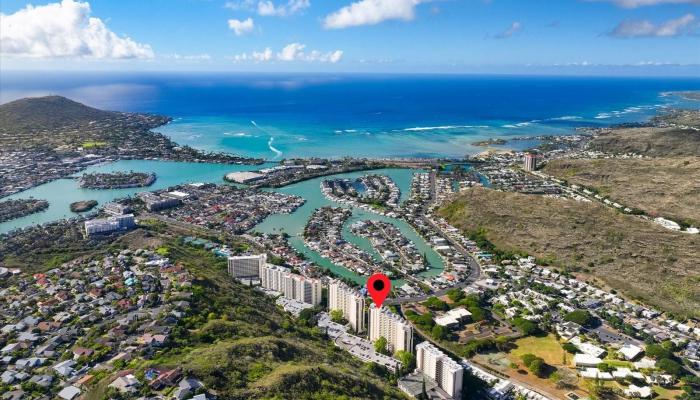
column 61, row 193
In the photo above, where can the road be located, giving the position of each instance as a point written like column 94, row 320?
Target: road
column 474, row 267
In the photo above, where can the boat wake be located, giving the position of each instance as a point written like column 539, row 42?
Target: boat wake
column 277, row 152
column 237, row 134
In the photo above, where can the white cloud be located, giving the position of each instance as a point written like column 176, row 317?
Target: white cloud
column 268, row 8
column 241, row 27
column 240, row 5
column 645, row 28
column 371, row 12
column 514, row 28
column 265, row 55
column 643, row 3
column 190, row 57
column 291, row 52
column 64, row 29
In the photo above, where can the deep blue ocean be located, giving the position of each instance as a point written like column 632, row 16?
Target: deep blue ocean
column 280, row 116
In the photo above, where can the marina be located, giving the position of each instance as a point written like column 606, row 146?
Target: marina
column 61, row 193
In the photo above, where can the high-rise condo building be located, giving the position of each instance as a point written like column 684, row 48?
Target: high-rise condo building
column 350, row 302
column 292, row 286
column 446, row 372
column 530, row 162
column 246, row 266
column 396, row 330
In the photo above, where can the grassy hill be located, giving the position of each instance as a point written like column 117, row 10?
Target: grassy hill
column 50, row 112
column 52, row 122
column 659, row 186
column 636, row 257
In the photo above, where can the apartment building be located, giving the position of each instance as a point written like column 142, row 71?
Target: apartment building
column 396, row 330
column 350, row 302
column 434, row 364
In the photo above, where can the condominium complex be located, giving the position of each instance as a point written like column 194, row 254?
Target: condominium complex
column 115, row 209
column 292, row 286
column 156, row 202
column 446, row 372
column 246, row 266
column 397, row 332
column 530, row 162
column 109, row 225
column 350, row 302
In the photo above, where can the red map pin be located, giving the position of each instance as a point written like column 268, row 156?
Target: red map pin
column 379, row 287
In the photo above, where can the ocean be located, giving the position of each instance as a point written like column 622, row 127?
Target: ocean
column 328, row 115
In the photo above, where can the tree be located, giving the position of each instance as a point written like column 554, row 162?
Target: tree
column 657, row 351
column 380, row 345
column 439, row 332
column 528, row 359
column 336, row 316
column 537, row 367
column 581, row 317
column 502, row 343
column 525, row 326
column 455, row 295
column 436, row 304
column 670, row 366
column 407, row 359
column 535, row 364
column 605, row 367
column 570, row 348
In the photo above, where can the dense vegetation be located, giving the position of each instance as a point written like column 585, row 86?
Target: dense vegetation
column 239, row 343
column 581, row 317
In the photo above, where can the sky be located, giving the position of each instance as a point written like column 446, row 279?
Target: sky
column 618, row 37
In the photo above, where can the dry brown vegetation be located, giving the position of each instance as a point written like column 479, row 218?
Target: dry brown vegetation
column 676, row 133
column 641, row 259
column 655, row 142
column 667, row 187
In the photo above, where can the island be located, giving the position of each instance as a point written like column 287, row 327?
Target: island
column 117, row 180
column 490, row 142
column 11, row 209
column 82, row 206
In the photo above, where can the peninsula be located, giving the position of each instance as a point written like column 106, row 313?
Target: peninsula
column 47, row 138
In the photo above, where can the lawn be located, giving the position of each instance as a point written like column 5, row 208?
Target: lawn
column 667, row 393
column 618, row 363
column 546, row 347
column 92, row 144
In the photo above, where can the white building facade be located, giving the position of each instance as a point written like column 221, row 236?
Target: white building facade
column 292, row 286
column 350, row 302
column 109, row 225
column 397, row 332
column 434, row 364
column 246, row 266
